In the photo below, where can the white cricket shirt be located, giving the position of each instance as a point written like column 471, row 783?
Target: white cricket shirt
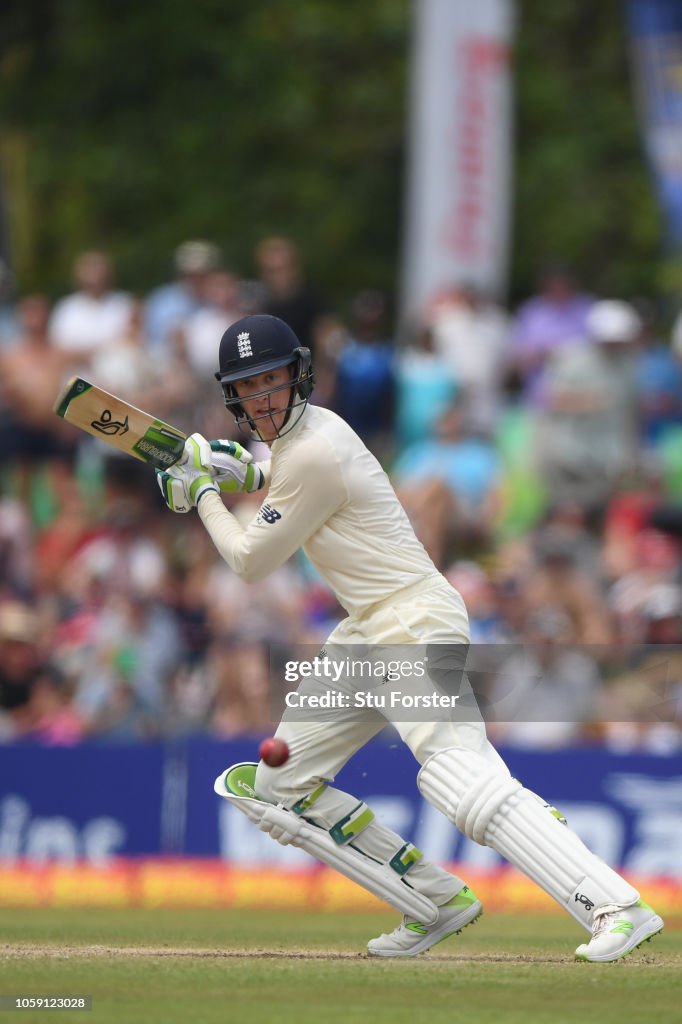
column 328, row 495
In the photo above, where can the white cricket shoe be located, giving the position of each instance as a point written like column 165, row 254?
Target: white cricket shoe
column 412, row 937
column 617, row 933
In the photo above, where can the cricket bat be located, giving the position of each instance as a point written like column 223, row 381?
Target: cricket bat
column 122, row 425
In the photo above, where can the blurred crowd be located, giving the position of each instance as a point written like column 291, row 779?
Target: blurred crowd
column 537, row 452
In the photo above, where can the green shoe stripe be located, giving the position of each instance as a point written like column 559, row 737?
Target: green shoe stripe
column 622, row 928
column 464, row 898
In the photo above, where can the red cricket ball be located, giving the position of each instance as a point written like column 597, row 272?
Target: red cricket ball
column 273, row 752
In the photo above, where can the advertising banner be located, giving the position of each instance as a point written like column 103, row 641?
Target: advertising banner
column 656, row 40
column 96, row 804
column 459, row 160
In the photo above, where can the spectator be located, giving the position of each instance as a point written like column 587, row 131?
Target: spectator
column 658, row 375
column 240, row 672
column 93, row 315
column 553, row 319
column 472, row 336
column 58, row 542
column 205, row 327
column 169, row 306
column 450, row 487
column 288, row 295
column 630, row 510
column 486, row 623
column 557, row 581
column 17, row 550
column 31, row 371
column 656, row 562
column 669, row 441
column 22, row 668
column 125, row 552
column 126, row 367
column 56, row 720
column 662, row 612
column 364, row 374
column 642, row 705
column 547, row 689
column 587, row 436
column 424, row 389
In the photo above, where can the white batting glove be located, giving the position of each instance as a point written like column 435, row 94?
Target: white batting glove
column 282, row 826
column 234, row 468
column 184, row 483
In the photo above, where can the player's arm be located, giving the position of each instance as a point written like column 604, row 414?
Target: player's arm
column 266, row 471
column 305, row 490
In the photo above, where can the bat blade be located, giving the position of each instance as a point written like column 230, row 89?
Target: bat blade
column 120, row 424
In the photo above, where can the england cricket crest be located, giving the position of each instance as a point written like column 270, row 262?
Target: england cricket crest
column 244, row 344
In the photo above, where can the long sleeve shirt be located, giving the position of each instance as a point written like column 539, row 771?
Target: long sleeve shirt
column 328, row 495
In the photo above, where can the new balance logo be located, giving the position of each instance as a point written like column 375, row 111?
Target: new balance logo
column 244, row 344
column 579, row 898
column 268, row 514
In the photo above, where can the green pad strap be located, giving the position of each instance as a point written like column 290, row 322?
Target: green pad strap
column 352, row 825
column 307, row 801
column 403, row 860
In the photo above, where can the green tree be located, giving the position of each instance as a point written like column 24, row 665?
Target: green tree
column 134, row 125
column 583, row 192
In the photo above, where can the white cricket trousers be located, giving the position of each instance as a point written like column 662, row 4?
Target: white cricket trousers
column 320, row 742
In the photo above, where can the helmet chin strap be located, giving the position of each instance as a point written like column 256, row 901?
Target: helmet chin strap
column 278, row 430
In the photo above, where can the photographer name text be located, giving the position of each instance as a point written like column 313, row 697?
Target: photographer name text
column 370, row 699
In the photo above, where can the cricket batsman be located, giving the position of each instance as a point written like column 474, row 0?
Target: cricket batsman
column 328, row 495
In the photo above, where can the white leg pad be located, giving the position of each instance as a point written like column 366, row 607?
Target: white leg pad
column 497, row 811
column 288, row 828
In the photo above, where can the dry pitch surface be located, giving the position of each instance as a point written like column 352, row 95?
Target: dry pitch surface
column 267, row 967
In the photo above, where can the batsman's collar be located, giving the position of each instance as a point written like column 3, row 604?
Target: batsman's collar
column 281, row 442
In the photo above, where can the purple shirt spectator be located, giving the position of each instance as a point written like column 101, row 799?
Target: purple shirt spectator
column 552, row 319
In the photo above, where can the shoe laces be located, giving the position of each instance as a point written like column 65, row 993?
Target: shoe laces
column 601, row 921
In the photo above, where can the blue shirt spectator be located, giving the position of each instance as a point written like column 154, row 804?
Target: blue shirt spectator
column 169, row 306
column 425, row 388
column 659, row 387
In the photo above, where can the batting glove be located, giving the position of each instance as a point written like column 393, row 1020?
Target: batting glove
column 282, row 826
column 234, row 469
column 183, row 484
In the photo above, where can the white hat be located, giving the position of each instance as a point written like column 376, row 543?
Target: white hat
column 196, row 257
column 664, row 601
column 613, row 320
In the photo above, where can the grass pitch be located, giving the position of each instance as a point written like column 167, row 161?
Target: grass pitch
column 267, row 967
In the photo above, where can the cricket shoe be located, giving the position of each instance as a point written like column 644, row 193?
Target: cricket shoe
column 412, row 937
column 617, row 933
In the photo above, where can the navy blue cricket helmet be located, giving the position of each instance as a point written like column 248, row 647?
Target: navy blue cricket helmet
column 254, row 345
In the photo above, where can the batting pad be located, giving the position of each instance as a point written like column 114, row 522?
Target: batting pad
column 493, row 809
column 288, row 828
